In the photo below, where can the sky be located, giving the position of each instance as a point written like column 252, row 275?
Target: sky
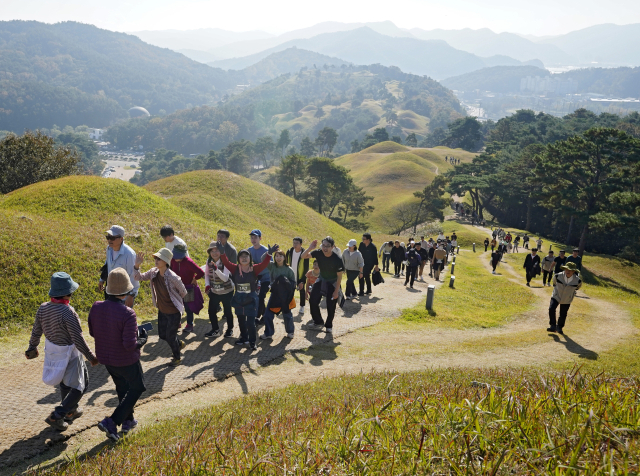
column 539, row 17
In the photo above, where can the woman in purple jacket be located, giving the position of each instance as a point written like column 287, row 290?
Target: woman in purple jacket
column 118, row 341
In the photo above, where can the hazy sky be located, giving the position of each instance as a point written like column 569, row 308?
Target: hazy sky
column 539, row 17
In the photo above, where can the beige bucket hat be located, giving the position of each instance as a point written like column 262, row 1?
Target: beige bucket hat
column 118, row 282
column 165, row 255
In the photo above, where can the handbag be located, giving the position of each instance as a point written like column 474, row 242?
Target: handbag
column 190, row 296
column 376, row 278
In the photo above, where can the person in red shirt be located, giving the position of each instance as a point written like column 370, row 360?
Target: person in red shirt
column 189, row 273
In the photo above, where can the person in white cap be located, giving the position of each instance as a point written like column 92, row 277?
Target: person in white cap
column 353, row 264
column 167, row 294
column 120, row 255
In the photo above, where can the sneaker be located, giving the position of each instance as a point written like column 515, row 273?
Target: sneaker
column 187, row 329
column 77, row 413
column 528, row 285
column 266, row 337
column 301, row 310
column 493, row 272
column 411, row 287
column 109, row 427
column 360, row 294
column 253, row 346
column 368, row 292
column 348, row 298
column 329, row 330
column 551, row 329
column 260, row 322
column 242, row 342
column 175, row 361
column 129, row 425
column 212, row 333
column 229, row 333
column 290, row 335
column 559, row 331
column 58, row 424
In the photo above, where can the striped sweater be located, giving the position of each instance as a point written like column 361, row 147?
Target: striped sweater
column 61, row 326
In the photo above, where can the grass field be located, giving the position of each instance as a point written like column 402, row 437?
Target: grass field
column 433, row 422
column 60, row 225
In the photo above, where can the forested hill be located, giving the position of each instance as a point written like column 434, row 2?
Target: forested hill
column 71, row 74
column 353, row 100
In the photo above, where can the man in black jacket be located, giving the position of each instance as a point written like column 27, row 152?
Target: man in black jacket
column 532, row 265
column 560, row 261
column 575, row 258
column 370, row 255
column 300, row 268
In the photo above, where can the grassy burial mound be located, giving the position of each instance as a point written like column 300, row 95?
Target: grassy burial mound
column 387, row 147
column 60, row 225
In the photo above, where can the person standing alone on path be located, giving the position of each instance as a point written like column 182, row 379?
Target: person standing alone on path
column 60, row 324
column 300, row 268
column 353, row 265
column 370, row 256
column 539, row 244
column 548, row 268
column 167, row 294
column 118, row 341
column 532, row 265
column 120, row 255
column 257, row 252
column 575, row 258
column 328, row 284
column 565, row 285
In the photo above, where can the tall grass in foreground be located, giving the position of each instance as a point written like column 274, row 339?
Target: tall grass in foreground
column 440, row 422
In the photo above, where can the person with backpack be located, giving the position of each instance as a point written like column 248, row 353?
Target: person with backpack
column 413, row 261
column 548, row 267
column 565, row 285
column 167, row 294
column 300, row 268
column 283, row 286
column 328, row 284
column 219, row 287
column 189, row 273
column 397, row 257
column 60, row 324
column 245, row 300
column 118, row 338
column 532, row 265
column 353, row 265
column 369, row 254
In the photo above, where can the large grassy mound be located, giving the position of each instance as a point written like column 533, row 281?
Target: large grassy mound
column 60, row 225
column 387, row 147
column 390, row 179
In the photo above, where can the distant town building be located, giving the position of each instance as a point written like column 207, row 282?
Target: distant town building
column 548, row 84
column 96, row 134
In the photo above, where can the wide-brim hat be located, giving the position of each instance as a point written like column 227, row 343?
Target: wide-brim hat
column 571, row 266
column 165, row 255
column 62, row 285
column 118, row 282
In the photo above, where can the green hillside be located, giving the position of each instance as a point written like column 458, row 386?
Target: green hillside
column 60, row 225
column 390, row 173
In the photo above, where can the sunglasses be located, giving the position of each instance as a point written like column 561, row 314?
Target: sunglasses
column 111, row 238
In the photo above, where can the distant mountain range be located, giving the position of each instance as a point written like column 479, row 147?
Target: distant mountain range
column 433, row 58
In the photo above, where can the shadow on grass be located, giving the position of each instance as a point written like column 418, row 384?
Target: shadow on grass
column 575, row 348
column 598, row 280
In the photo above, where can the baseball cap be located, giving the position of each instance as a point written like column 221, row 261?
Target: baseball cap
column 256, row 232
column 352, row 242
column 115, row 230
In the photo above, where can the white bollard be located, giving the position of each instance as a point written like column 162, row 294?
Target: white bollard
column 452, row 281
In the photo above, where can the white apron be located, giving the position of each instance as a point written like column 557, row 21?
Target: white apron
column 63, row 363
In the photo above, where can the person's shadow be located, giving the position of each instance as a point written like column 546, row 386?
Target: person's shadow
column 575, row 348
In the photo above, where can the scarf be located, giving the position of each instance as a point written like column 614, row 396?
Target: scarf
column 60, row 301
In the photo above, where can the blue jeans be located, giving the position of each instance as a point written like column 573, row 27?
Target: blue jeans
column 269, row 330
column 189, row 314
column 247, row 326
column 129, row 382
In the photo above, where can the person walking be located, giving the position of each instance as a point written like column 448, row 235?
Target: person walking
column 486, row 244
column 431, row 251
column 353, row 264
column 300, row 269
column 245, row 300
column 576, row 258
column 438, row 261
column 227, row 248
column 532, row 265
column 370, row 256
column 539, row 244
column 496, row 257
column 257, row 251
column 404, row 252
column 397, row 257
column 282, row 299
column 219, row 287
column 516, row 243
column 170, row 239
column 118, row 339
column 189, row 273
column 548, row 267
column 565, row 285
column 328, row 284
column 120, row 255
column 493, row 244
column 525, row 241
column 413, row 261
column 63, row 350
column 385, row 251
column 167, row 294
column 424, row 257
column 560, row 261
